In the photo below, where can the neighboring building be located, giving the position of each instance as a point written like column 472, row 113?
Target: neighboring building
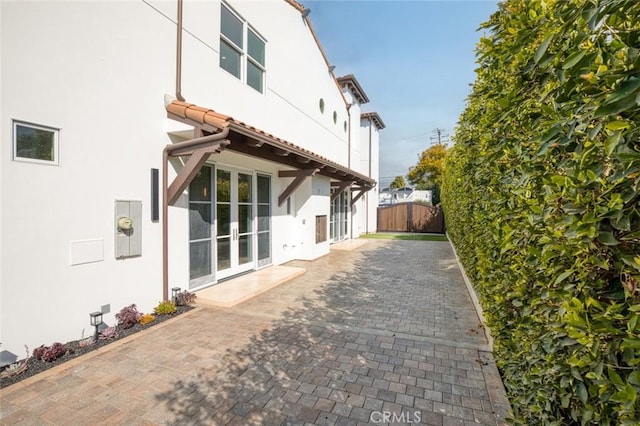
column 404, row 195
column 268, row 159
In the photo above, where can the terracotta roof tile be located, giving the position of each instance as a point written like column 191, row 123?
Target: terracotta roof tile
column 202, row 116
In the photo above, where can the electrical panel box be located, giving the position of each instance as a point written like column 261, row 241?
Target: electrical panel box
column 128, row 228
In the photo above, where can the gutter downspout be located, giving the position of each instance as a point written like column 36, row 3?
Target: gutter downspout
column 179, row 55
column 349, row 166
column 367, row 194
column 165, row 205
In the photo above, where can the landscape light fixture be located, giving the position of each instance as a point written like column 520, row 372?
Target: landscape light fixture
column 96, row 321
column 305, row 12
column 174, row 293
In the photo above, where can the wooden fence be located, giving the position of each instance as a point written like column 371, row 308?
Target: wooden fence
column 410, row 217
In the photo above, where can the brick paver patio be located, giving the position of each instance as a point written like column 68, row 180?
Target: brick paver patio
column 385, row 334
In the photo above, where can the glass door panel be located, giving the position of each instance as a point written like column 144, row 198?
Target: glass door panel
column 224, row 219
column 245, row 219
column 264, row 219
column 200, row 221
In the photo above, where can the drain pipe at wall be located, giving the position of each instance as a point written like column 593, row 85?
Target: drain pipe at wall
column 165, row 192
column 368, row 192
column 179, row 55
column 349, row 167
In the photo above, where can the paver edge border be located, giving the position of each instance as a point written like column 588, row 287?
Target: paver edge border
column 75, row 361
column 473, row 295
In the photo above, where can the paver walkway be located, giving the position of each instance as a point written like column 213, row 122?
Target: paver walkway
column 385, row 334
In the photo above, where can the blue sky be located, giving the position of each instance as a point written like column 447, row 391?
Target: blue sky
column 415, row 61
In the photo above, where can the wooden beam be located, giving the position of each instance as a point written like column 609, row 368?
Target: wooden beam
column 299, row 175
column 357, row 197
column 191, row 169
column 340, row 188
column 303, row 160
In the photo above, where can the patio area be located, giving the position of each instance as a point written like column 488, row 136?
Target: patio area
column 387, row 327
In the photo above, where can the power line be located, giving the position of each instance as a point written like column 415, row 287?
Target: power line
column 440, row 137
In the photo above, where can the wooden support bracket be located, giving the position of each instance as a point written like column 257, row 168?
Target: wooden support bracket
column 340, row 187
column 191, row 169
column 358, row 196
column 299, row 177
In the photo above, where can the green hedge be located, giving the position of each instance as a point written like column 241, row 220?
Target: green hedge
column 541, row 200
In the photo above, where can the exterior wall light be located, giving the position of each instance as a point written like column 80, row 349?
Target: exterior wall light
column 306, row 12
column 96, row 321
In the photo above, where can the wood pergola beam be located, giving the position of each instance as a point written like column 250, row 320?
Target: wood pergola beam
column 358, row 196
column 191, row 169
column 340, row 187
column 299, row 177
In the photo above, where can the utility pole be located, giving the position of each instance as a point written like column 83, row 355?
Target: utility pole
column 440, row 137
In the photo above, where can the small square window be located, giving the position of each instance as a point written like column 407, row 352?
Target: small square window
column 35, row 143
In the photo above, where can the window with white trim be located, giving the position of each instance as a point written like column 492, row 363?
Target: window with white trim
column 242, row 50
column 35, row 143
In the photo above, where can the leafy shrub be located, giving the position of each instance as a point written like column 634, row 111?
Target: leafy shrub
column 128, row 316
column 37, row 352
column 146, row 319
column 108, row 333
column 164, row 308
column 185, row 298
column 541, row 195
column 50, row 353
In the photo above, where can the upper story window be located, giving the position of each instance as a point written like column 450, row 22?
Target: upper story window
column 38, row 144
column 242, row 50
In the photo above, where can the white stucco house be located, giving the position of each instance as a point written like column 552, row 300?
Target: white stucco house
column 152, row 144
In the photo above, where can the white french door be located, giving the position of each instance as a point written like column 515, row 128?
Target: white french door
column 234, row 222
column 225, row 238
column 339, row 217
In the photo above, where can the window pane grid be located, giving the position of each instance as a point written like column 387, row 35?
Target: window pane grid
column 242, row 50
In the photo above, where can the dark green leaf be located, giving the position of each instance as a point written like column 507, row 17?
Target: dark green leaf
column 542, row 49
column 607, row 238
column 573, row 59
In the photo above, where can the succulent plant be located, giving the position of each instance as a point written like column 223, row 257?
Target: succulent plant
column 108, row 333
column 146, row 319
column 165, row 308
column 128, row 316
column 185, row 298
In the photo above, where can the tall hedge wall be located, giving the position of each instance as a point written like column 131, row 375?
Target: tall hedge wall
column 541, row 200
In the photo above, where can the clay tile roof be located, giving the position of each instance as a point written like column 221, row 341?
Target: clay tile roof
column 349, row 81
column 374, row 117
column 213, row 121
column 198, row 114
